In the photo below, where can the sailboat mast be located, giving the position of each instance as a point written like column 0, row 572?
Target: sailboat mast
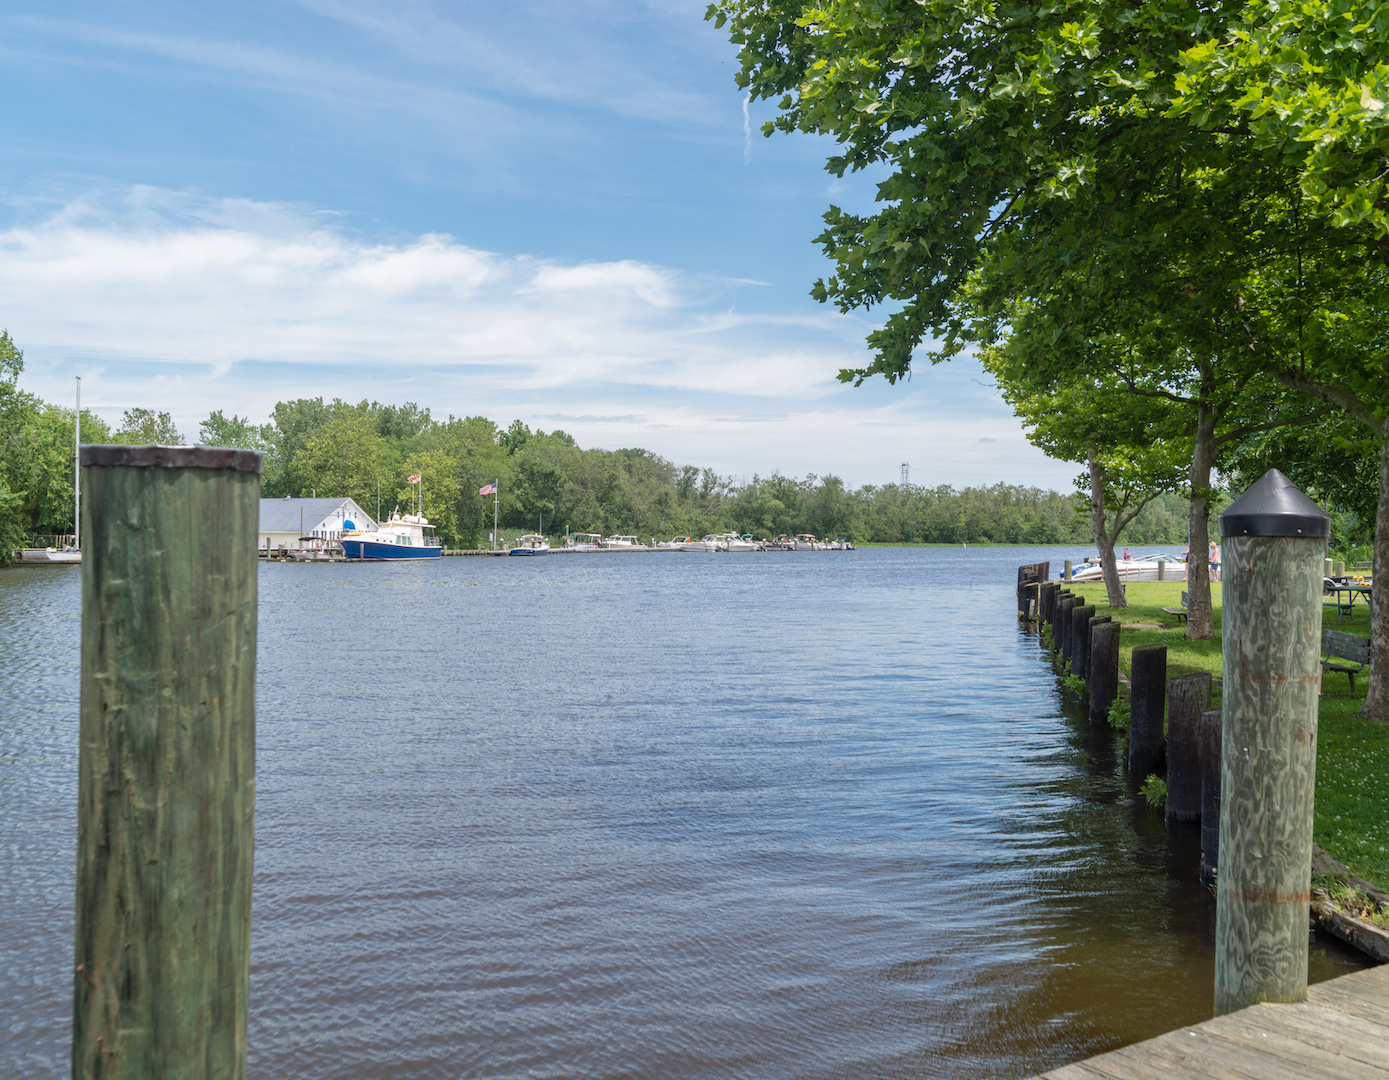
column 77, row 471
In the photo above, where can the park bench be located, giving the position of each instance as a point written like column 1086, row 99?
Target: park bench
column 1348, row 647
column 1180, row 612
column 1363, row 566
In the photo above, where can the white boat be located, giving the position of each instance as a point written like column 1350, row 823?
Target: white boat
column 675, row 543
column 711, row 542
column 1142, row 569
column 731, row 541
column 583, row 542
column 842, row 544
column 530, row 544
column 623, row 543
column 50, row 555
column 402, row 537
column 807, row 542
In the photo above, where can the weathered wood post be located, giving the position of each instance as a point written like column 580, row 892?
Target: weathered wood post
column 1104, row 669
column 1210, row 794
column 1162, row 570
column 1080, row 633
column 1066, row 570
column 1273, row 539
column 166, row 770
column 1147, row 709
column 1068, row 609
column 1188, row 696
column 1338, row 568
column 1048, row 593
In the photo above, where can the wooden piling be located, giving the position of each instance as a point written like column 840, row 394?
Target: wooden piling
column 1104, row 669
column 1066, row 572
column 1273, row 541
column 1210, row 794
column 166, row 783
column 1080, row 634
column 1068, row 610
column 1147, row 709
column 1188, row 696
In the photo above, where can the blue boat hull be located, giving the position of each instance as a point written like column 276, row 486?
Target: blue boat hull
column 371, row 550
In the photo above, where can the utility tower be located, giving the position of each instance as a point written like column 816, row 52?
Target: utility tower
column 906, row 472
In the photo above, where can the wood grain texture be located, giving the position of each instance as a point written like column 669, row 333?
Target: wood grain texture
column 1272, row 668
column 1188, row 696
column 1080, row 638
column 1340, row 1033
column 1147, row 709
column 1104, row 669
column 1062, row 640
column 166, row 773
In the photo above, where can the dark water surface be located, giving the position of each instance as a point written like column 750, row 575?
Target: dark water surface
column 783, row 815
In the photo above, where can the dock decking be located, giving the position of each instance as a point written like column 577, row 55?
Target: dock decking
column 1341, row 1032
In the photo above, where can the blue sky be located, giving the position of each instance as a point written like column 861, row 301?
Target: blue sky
column 551, row 211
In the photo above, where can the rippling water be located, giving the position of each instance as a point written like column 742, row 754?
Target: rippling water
column 782, row 815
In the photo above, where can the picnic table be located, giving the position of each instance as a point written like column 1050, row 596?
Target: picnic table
column 1337, row 591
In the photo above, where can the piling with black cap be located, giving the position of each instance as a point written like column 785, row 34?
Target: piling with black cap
column 166, row 769
column 1273, row 541
column 1147, row 709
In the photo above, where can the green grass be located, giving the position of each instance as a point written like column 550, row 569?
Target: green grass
column 1352, row 807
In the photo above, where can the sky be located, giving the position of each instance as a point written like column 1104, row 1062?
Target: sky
column 555, row 212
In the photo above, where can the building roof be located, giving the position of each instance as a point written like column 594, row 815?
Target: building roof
column 282, row 515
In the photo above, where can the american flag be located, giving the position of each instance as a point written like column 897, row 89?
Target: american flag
column 412, row 479
column 488, row 489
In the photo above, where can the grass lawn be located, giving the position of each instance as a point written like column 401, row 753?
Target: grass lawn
column 1352, row 809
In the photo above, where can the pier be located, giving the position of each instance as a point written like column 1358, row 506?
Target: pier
column 1340, row 1031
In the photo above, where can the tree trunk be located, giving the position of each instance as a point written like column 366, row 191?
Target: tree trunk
column 1103, row 540
column 1376, row 705
column 1200, row 622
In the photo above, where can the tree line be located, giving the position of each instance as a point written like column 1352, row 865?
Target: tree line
column 367, row 451
column 1163, row 228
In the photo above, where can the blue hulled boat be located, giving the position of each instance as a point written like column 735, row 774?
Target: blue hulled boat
column 408, row 537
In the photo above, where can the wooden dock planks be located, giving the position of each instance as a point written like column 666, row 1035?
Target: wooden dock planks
column 1340, row 1032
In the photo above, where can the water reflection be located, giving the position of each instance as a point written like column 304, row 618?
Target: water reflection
column 804, row 814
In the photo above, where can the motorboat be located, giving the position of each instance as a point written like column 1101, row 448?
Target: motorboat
column 1141, row 569
column 842, row 544
column 623, row 543
column 731, row 541
column 407, row 536
column 50, row 555
column 781, row 543
column 675, row 543
column 530, row 544
column 583, row 542
column 711, row 542
column 807, row 542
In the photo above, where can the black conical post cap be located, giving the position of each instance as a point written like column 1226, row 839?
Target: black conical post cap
column 1274, row 506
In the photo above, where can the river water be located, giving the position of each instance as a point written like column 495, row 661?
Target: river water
column 782, row 815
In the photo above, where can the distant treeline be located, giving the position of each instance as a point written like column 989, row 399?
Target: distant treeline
column 335, row 448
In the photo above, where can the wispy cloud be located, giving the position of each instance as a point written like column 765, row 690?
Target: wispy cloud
column 190, row 304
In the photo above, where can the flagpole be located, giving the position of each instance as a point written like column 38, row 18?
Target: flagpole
column 496, row 489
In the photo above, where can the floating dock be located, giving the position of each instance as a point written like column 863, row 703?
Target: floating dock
column 1341, row 1031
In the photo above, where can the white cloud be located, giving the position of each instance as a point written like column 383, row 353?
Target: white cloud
column 187, row 304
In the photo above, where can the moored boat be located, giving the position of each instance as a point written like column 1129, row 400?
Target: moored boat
column 1144, row 569
column 530, row 544
column 402, row 537
column 623, row 543
column 676, row 543
column 807, row 542
column 583, row 542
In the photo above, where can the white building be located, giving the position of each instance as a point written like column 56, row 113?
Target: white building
column 308, row 523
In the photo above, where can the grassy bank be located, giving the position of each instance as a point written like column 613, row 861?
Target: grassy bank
column 1352, row 802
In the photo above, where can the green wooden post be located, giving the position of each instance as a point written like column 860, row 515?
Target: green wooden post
column 166, row 772
column 1273, row 543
